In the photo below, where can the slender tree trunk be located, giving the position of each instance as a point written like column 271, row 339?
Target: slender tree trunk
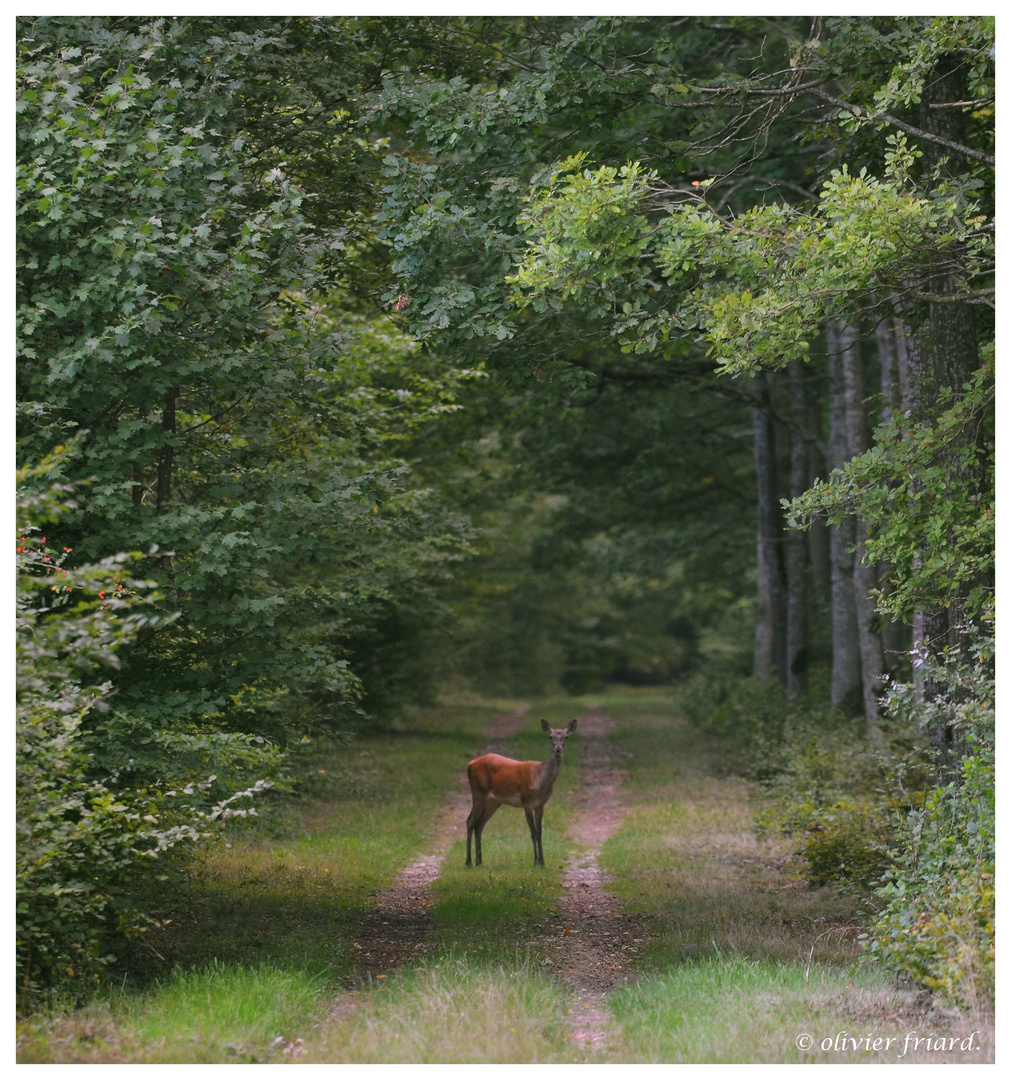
column 847, row 686
column 872, row 659
column 168, row 422
column 770, row 625
column 864, row 576
column 893, row 361
column 818, row 534
column 796, row 541
column 944, row 353
column 887, row 334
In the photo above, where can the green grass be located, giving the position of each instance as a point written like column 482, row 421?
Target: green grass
column 221, row 1013
column 507, row 891
column 736, row 958
column 739, row 958
column 686, row 857
column 485, row 993
column 293, row 891
column 729, row 1009
column 286, row 896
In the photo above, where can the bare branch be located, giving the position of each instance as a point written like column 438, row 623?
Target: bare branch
column 857, row 110
column 959, row 104
column 973, row 296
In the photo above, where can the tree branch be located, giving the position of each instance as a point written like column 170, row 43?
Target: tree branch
column 857, row 110
column 972, row 296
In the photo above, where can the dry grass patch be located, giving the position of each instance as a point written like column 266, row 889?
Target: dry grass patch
column 452, row 1009
column 686, row 856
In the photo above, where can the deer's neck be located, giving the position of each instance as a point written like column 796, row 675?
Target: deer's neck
column 549, row 773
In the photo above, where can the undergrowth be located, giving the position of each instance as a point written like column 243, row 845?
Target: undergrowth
column 906, row 820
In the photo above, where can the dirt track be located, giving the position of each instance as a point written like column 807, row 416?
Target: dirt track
column 400, row 925
column 595, row 935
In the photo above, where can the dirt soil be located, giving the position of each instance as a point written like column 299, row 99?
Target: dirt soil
column 594, row 937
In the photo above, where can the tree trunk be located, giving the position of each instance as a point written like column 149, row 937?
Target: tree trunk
column 796, row 542
column 818, row 467
column 872, row 660
column 864, row 576
column 945, row 352
column 847, row 686
column 892, row 356
column 770, row 643
column 168, row 422
column 887, row 333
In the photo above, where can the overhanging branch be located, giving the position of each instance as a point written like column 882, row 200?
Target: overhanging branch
column 857, row 110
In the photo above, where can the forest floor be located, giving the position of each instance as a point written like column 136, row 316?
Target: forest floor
column 345, row 928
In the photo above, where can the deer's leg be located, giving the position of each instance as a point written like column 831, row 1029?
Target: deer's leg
column 532, row 825
column 472, row 818
column 538, row 819
column 480, row 819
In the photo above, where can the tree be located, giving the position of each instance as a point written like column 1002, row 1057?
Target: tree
column 170, row 309
column 192, row 195
column 790, row 270
column 91, row 841
column 911, row 246
column 466, row 139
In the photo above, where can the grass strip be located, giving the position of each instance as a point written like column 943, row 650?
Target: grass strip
column 724, row 1009
column 455, row 1007
column 739, row 960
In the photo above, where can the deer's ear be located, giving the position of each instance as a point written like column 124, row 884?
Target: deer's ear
column 571, row 728
column 545, row 726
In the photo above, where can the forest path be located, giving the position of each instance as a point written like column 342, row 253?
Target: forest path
column 595, row 935
column 590, row 940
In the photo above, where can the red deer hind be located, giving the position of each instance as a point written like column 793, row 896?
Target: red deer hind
column 495, row 780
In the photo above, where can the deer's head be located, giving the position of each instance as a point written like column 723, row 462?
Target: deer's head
column 558, row 735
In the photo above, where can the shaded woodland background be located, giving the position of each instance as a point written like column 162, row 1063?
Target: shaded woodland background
column 364, row 360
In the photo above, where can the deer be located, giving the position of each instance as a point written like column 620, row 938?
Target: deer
column 495, row 780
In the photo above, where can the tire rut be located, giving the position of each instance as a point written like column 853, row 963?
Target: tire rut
column 592, row 946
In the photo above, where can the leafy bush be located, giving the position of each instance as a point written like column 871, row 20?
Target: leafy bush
column 95, row 842
column 818, row 780
column 937, row 925
column 830, row 791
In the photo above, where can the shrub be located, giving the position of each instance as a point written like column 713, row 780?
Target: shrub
column 829, row 791
column 818, row 780
column 937, row 924
column 95, row 839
